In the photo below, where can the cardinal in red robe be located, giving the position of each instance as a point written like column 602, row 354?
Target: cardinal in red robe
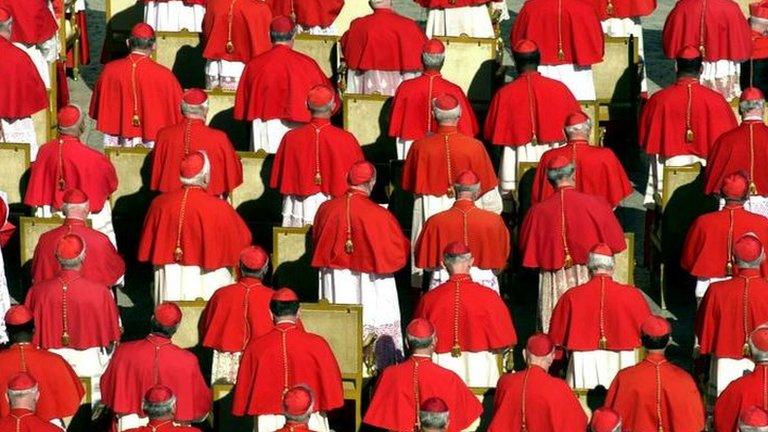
column 313, row 16
column 532, row 399
column 402, row 388
column 473, row 18
column 160, row 404
column 135, row 96
column 23, row 393
column 298, row 403
column 411, row 116
column 174, row 15
column 753, row 71
column 35, row 31
column 192, row 135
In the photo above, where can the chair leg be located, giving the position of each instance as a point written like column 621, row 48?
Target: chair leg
column 662, row 287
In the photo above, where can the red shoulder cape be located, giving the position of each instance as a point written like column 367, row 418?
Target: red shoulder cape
column 22, row 92
column 741, row 393
column 731, row 153
column 22, row 420
column 727, row 35
column 314, row 13
column 624, row 8
column 250, row 30
column 33, row 21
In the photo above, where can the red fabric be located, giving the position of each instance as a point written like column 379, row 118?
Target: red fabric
column 426, row 166
column 224, row 325
column 158, row 96
column 484, row 322
column 759, row 46
column 102, row 263
column 60, row 389
column 663, row 120
column 320, row 13
column 727, row 35
column 528, row 101
column 131, row 372
column 85, row 47
column 23, row 92
column 80, row 166
column 6, row 228
column 212, row 234
column 731, row 153
column 21, row 420
column 633, row 396
column 296, row 160
column 705, row 251
column 589, row 220
column 294, row 427
column 550, row 404
column 310, row 361
column 186, row 2
column 162, row 425
column 486, row 232
column 383, row 40
column 582, row 35
column 33, row 21
column 575, row 322
column 280, row 74
column 92, row 316
column 624, row 8
column 598, row 172
column 742, row 393
column 379, row 244
column 250, row 29
column 448, row 4
column 412, row 118
column 170, row 149
column 393, row 406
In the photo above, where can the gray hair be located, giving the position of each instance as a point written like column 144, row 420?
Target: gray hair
column 321, row 109
column 281, row 37
column 474, row 189
column 202, row 178
column 434, row 420
column 751, row 264
column 16, row 394
column 432, row 61
column 417, row 343
column 761, row 23
column 68, row 264
column 376, row 4
column 600, row 262
column 161, row 409
column 254, row 273
column 67, row 208
column 196, row 110
column 555, row 175
column 446, row 115
column 744, row 428
column 141, row 44
column 581, row 128
column 751, row 105
column 451, row 260
column 6, row 25
column 304, row 418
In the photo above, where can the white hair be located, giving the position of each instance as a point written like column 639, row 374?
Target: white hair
column 377, row 4
column 202, row 178
column 600, row 262
column 751, row 264
column 451, row 260
column 744, row 428
column 434, row 420
column 322, row 108
column 581, row 128
column 432, row 61
column 71, row 263
column 558, row 174
column 474, row 189
column 67, row 208
column 194, row 109
column 159, row 409
column 6, row 25
column 446, row 115
column 751, row 105
column 14, row 394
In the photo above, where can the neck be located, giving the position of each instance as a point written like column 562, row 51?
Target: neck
column 449, row 123
column 362, row 189
column 605, row 273
column 285, row 320
column 681, row 76
column 564, row 184
column 578, row 138
column 422, row 352
column 139, row 51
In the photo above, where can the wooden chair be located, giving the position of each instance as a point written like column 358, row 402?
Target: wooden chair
column 170, row 43
column 472, row 63
column 323, row 49
column 289, row 244
column 252, row 187
column 523, row 170
column 128, row 163
column 219, row 101
column 30, row 230
column 14, row 163
column 88, row 396
column 674, row 178
column 187, row 335
column 616, row 78
column 366, row 116
column 113, row 7
column 352, row 9
column 592, row 109
column 624, row 262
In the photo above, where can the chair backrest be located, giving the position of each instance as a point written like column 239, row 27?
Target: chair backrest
column 676, row 177
column 113, row 7
column 352, row 9
column 170, row 43
column 471, row 63
column 735, row 108
column 187, row 335
column 744, row 5
column 14, row 163
column 321, row 48
column 624, row 262
column 366, row 116
column 523, row 168
column 128, row 163
column 30, row 230
column 288, row 245
column 616, row 76
column 342, row 327
column 253, row 186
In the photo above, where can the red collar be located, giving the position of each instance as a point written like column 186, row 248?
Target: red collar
column 250, row 281
column 353, row 191
column 464, row 204
column 463, row 277
column 19, row 412
column 686, row 80
column 749, row 272
column 579, row 141
column 566, row 187
column 655, row 358
column 733, row 205
column 430, row 72
column 447, row 129
column 320, row 121
column 74, row 222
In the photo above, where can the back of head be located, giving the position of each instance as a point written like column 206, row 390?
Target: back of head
column 284, row 305
column 655, row 333
column 752, row 104
column 142, row 38
column 6, row 23
column 195, row 170
column 166, row 319
column 282, row 29
column 434, row 415
column 446, row 109
column 194, row 103
column 758, row 344
column 689, row 61
column 19, row 323
column 457, row 258
column 560, row 170
column 526, row 56
column 600, row 259
column 540, row 351
column 254, row 262
column 22, row 391
column 70, row 251
column 433, row 55
column 605, row 420
column 70, row 120
column 380, row 4
column 578, row 126
column 159, row 403
column 753, row 419
column 298, row 404
column 420, row 336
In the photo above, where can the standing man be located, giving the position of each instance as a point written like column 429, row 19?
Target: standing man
column 434, row 415
column 35, row 31
column 160, row 406
column 753, row 71
column 174, row 15
column 298, row 405
column 315, row 17
column 23, row 394
column 6, row 231
column 456, row 18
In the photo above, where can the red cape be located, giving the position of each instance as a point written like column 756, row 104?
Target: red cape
column 310, row 361
column 393, row 406
column 294, row 427
column 224, row 325
column 448, row 4
column 706, row 248
column 663, row 120
column 212, row 235
column 411, row 117
column 92, row 316
column 33, row 21
column 486, row 231
column 250, row 29
column 27, row 421
column 589, row 220
column 158, row 96
column 598, row 172
column 379, row 244
column 525, row 102
column 731, row 153
column 575, row 322
column 60, row 388
column 22, row 92
column 726, row 35
column 383, row 40
column 426, row 166
column 131, row 372
column 624, row 8
column 633, row 396
column 296, row 160
column 484, row 320
column 315, row 13
column 186, row 2
column 759, row 46
column 582, row 35
column 226, row 168
column 744, row 392
column 280, row 74
column 550, row 404
column 6, row 228
column 161, row 426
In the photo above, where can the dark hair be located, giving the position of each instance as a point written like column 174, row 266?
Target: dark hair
column 526, row 61
column 689, row 67
column 140, row 43
column 156, row 327
column 284, row 308
column 419, row 343
column 655, row 343
column 20, row 333
column 281, row 37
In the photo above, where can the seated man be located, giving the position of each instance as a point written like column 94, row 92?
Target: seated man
column 23, row 394
column 298, row 405
column 315, row 17
column 160, row 406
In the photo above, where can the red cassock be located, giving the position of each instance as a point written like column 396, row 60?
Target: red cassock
column 741, row 149
column 589, row 220
column 378, row 241
column 624, row 8
column 721, row 319
column 186, row 2
column 633, row 394
column 573, row 26
column 446, row 4
column 318, row 147
column 90, row 312
column 6, row 228
column 721, row 29
column 412, row 118
column 549, row 403
column 294, row 427
column 706, row 251
column 212, row 233
column 314, row 13
column 598, row 172
column 156, row 91
column 163, row 425
column 236, row 314
column 483, row 231
column 430, row 170
column 248, row 31
column 102, row 262
column 191, row 135
column 22, row 420
column 138, row 365
column 79, row 166
column 394, row 407
column 741, row 393
column 759, row 46
column 484, row 322
column 575, row 322
column 23, row 92
column 285, row 357
column 60, row 389
column 280, row 74
column 665, row 118
column 383, row 40
column 33, row 21
column 507, row 124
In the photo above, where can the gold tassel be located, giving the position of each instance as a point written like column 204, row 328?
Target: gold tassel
column 661, row 428
column 230, row 47
column 702, row 50
column 62, row 184
column 65, row 338
column 609, row 9
column 560, row 54
column 745, row 350
column 752, row 188
column 603, row 343
column 729, row 268
column 349, row 247
column 456, row 350
column 450, row 192
column 568, row 260
column 534, row 140
column 135, row 120
column 318, row 178
column 689, row 135
column 178, row 254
